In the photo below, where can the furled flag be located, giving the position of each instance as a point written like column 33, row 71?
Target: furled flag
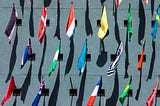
column 130, row 32
column 27, row 52
column 118, row 3
column 82, row 58
column 10, row 90
column 150, row 100
column 146, row 1
column 94, row 93
column 156, row 24
column 54, row 62
column 141, row 58
column 36, row 100
column 11, row 24
column 104, row 24
column 42, row 26
column 125, row 91
column 113, row 66
column 70, row 27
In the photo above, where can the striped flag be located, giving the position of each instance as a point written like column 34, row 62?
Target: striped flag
column 82, row 58
column 54, row 62
column 10, row 90
column 104, row 24
column 113, row 66
column 130, row 31
column 70, row 27
column 27, row 52
column 118, row 3
column 146, row 1
column 11, row 24
column 36, row 100
column 141, row 58
column 94, row 93
column 149, row 101
column 42, row 26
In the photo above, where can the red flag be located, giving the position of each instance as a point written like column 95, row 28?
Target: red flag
column 141, row 58
column 149, row 101
column 42, row 26
column 10, row 89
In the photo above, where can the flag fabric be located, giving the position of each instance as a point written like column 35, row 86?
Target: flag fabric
column 94, row 93
column 118, row 3
column 42, row 26
column 149, row 101
column 146, row 1
column 113, row 66
column 82, row 58
column 141, row 58
column 27, row 52
column 156, row 24
column 104, row 24
column 70, row 27
column 125, row 91
column 10, row 90
column 37, row 98
column 11, row 24
column 54, row 62
column 130, row 31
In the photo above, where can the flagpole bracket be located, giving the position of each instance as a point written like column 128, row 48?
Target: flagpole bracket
column 152, row 23
column 31, row 57
column 88, row 57
column 130, row 93
column 113, row 57
column 158, row 93
column 16, row 92
column 101, row 92
column 98, row 23
column 144, row 57
column 45, row 92
column 60, row 57
column 47, row 22
column 18, row 22
column 72, row 92
column 126, row 23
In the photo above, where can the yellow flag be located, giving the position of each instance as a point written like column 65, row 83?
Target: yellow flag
column 104, row 24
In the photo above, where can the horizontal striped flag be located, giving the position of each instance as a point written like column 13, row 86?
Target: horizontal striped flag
column 118, row 3
column 113, row 66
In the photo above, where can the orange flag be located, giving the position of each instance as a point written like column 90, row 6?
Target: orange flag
column 141, row 58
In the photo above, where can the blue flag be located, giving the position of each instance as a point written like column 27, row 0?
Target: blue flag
column 82, row 58
column 36, row 100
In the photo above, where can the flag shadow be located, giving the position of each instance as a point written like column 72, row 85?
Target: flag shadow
column 42, row 60
column 22, row 6
column 70, row 58
column 44, row 101
column 152, row 7
column 26, row 84
column 15, row 101
column 31, row 22
column 47, row 3
column 13, row 56
column 127, row 100
column 112, row 101
column 139, row 88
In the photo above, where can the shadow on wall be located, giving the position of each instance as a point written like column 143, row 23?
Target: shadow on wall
column 47, row 3
column 15, row 101
column 139, row 88
column 152, row 6
column 31, row 22
column 22, row 6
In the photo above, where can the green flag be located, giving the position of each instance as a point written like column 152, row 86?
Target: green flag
column 129, row 22
column 54, row 62
column 125, row 91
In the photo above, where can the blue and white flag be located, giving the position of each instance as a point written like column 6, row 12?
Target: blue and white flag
column 113, row 66
column 36, row 100
column 82, row 58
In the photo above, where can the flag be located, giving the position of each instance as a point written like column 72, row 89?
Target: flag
column 156, row 24
column 27, row 52
column 36, row 100
column 113, row 66
column 141, row 58
column 125, row 91
column 11, row 24
column 54, row 62
column 146, row 1
column 94, row 93
column 10, row 90
column 104, row 24
column 70, row 27
column 118, row 3
column 150, row 100
column 130, row 32
column 82, row 58
column 42, row 26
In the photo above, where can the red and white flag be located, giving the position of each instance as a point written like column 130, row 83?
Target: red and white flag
column 118, row 3
column 146, row 1
column 42, row 26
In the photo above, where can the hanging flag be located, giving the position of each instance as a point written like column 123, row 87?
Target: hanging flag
column 94, row 93
column 104, row 24
column 118, row 3
column 42, row 26
column 10, row 90
column 54, row 62
column 11, row 24
column 113, row 66
column 156, row 24
column 146, row 1
column 82, row 58
column 141, row 58
column 70, row 27
column 27, row 52
column 125, row 91
column 36, row 100
column 150, row 100
column 130, row 32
